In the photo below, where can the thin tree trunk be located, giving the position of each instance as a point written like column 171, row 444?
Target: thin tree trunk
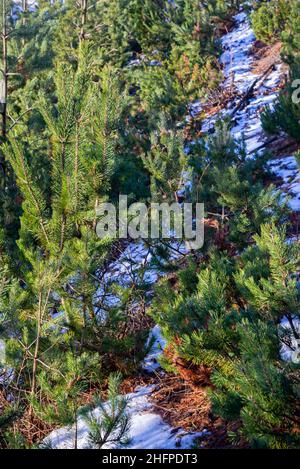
column 76, row 431
column 84, row 8
column 4, row 70
column 36, row 349
column 24, row 10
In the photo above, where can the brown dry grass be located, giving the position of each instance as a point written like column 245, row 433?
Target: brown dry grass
column 30, row 427
column 182, row 405
column 188, row 407
column 264, row 56
column 283, row 146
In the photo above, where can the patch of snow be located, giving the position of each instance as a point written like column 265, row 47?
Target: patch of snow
column 237, row 63
column 151, row 361
column 290, row 349
column 287, row 169
column 147, row 429
column 7, row 375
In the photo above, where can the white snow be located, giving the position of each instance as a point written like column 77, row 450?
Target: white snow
column 290, row 348
column 236, row 59
column 287, row 169
column 237, row 71
column 237, row 63
column 151, row 361
column 147, row 430
column 133, row 266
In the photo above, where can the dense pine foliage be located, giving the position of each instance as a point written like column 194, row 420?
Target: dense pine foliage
column 93, row 104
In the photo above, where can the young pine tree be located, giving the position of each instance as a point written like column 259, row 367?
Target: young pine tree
column 57, row 236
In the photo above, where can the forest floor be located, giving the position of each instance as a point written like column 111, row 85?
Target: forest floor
column 168, row 411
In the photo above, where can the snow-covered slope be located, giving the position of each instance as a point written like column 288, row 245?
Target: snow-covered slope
column 237, row 62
